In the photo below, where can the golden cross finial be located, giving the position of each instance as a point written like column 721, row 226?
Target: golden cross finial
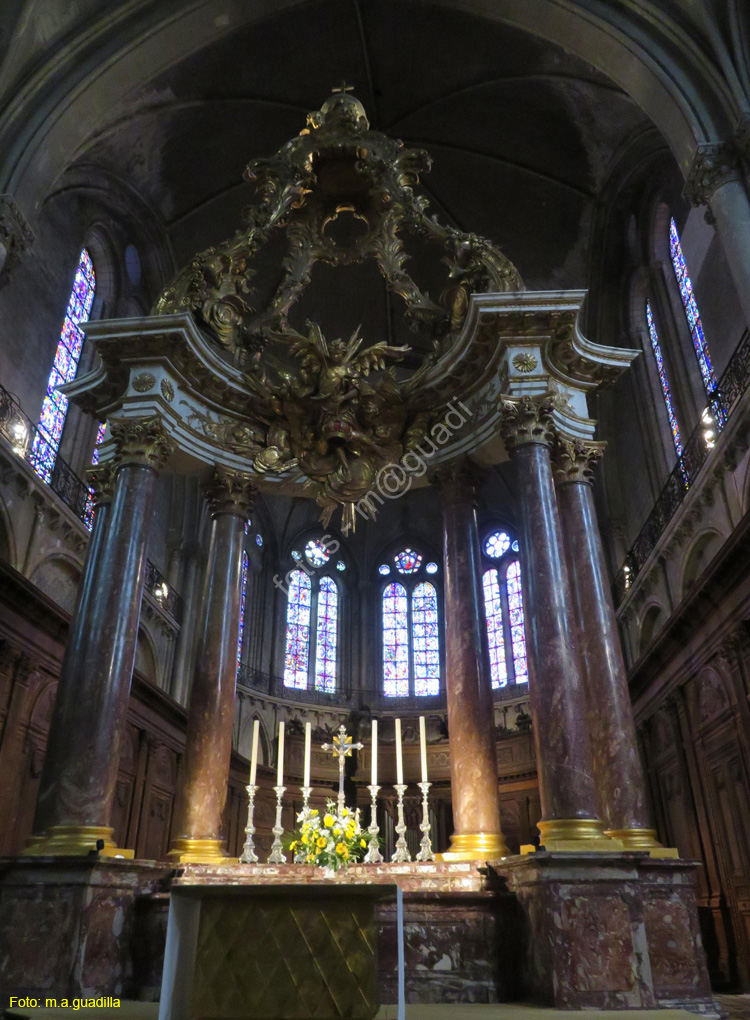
column 343, row 87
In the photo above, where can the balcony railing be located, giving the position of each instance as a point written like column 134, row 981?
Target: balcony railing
column 732, row 385
column 263, row 683
column 25, row 438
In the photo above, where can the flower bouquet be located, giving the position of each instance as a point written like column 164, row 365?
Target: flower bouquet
column 331, row 840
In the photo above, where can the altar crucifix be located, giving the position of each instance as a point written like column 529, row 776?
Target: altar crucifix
column 342, row 746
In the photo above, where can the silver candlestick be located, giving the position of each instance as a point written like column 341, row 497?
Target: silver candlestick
column 402, row 850
column 277, row 850
column 425, row 852
column 249, row 855
column 373, row 855
column 299, row 857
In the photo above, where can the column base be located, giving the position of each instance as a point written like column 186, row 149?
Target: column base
column 475, row 846
column 188, row 850
column 579, row 835
column 643, row 839
column 75, row 840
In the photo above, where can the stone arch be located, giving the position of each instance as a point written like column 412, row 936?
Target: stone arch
column 651, row 622
column 146, row 659
column 711, row 697
column 58, row 576
column 698, row 556
column 654, row 61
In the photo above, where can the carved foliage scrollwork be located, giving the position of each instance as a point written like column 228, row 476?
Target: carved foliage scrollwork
column 142, row 441
column 230, row 492
column 574, row 460
column 527, row 420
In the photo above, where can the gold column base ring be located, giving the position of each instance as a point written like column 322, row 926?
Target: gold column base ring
column 578, row 835
column 475, row 846
column 188, row 850
column 74, row 841
column 643, row 839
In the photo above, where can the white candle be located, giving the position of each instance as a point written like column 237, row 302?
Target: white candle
column 374, row 752
column 280, row 759
column 423, row 747
column 399, row 760
column 254, row 753
column 308, row 737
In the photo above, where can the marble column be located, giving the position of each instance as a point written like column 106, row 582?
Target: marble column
column 471, row 715
column 83, row 751
column 570, row 816
column 208, row 746
column 617, row 766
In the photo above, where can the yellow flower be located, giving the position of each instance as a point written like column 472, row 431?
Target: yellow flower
column 346, row 811
column 328, row 820
column 350, row 829
column 340, row 848
column 314, row 811
column 337, row 831
column 293, row 845
column 304, row 838
column 321, row 841
column 362, row 843
column 310, row 858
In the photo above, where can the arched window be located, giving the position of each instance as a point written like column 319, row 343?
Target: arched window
column 311, row 630
column 690, row 305
column 503, row 610
column 410, row 628
column 656, row 348
column 242, row 606
column 55, row 405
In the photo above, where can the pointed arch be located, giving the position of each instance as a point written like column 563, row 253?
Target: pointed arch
column 517, row 627
column 395, row 641
column 297, row 650
column 493, row 613
column 425, row 639
column 326, row 635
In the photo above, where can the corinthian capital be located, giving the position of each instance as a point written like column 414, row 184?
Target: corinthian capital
column 527, row 420
column 15, row 236
column 142, row 441
column 230, row 492
column 712, row 166
column 101, row 480
column 574, row 461
column 459, row 480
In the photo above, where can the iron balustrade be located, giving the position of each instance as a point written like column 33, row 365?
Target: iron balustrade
column 732, row 385
column 21, row 433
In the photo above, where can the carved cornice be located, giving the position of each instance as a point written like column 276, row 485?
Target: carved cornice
column 574, row 461
column 458, row 481
column 231, row 492
column 101, row 480
column 712, row 166
column 15, row 235
column 527, row 420
column 142, row 441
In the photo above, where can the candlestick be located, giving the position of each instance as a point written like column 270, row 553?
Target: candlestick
column 423, row 748
column 277, row 850
column 399, row 759
column 254, row 752
column 402, row 850
column 374, row 752
column 308, row 737
column 280, row 757
column 248, row 854
column 373, row 855
column 425, row 851
column 300, row 856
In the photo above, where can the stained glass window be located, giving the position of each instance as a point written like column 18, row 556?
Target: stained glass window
column 97, row 442
column 517, row 632
column 407, row 561
column 341, row 565
column 493, row 612
column 316, row 553
column 296, row 555
column 694, row 322
column 432, row 568
column 326, row 635
column 384, row 570
column 425, row 639
column 497, row 544
column 259, row 540
column 243, row 593
column 55, row 405
column 297, row 651
column 395, row 641
column 656, row 348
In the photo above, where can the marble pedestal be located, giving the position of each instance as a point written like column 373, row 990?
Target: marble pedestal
column 66, row 924
column 610, row 931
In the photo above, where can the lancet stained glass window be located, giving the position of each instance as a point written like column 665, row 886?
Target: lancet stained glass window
column 297, row 652
column 243, row 593
column 395, row 641
column 326, row 636
column 493, row 611
column 425, row 639
column 55, row 405
column 656, row 348
column 700, row 345
column 517, row 631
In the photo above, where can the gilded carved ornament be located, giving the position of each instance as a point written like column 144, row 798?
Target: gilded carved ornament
column 100, row 479
column 142, row 441
column 527, row 420
column 231, row 492
column 712, row 166
column 574, row 460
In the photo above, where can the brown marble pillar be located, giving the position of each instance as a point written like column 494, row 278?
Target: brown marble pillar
column 558, row 702
column 83, row 751
column 471, row 715
column 208, row 745
column 617, row 767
